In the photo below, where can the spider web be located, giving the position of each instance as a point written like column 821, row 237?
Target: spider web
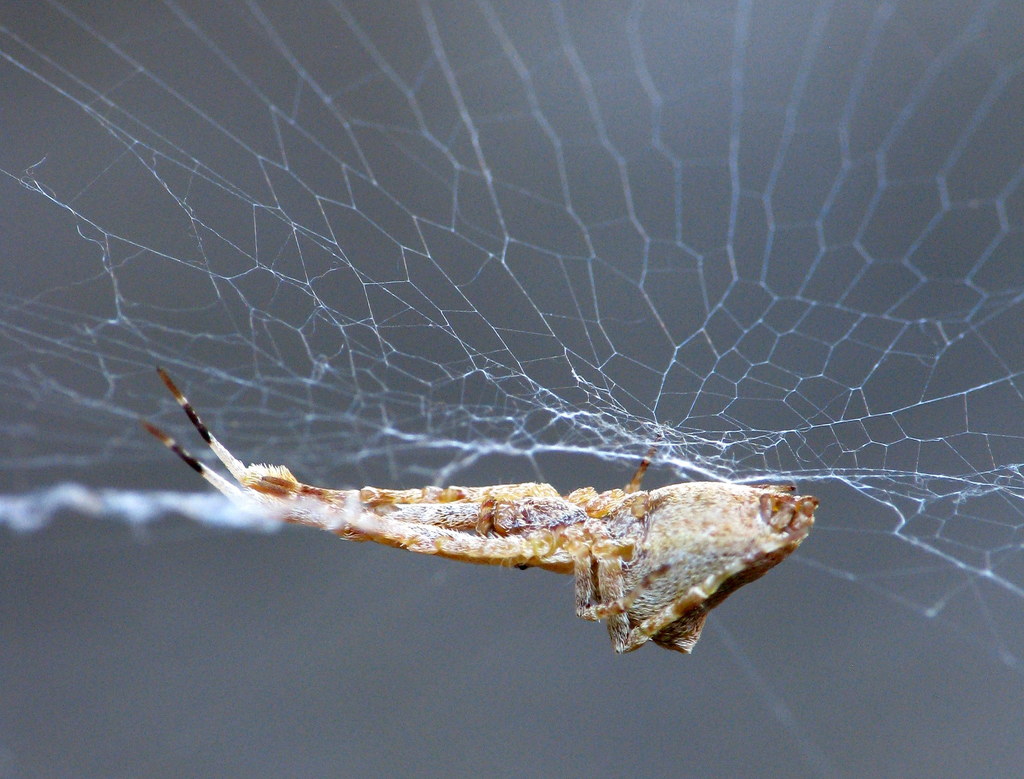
column 463, row 243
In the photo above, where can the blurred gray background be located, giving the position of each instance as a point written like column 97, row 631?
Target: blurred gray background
column 400, row 244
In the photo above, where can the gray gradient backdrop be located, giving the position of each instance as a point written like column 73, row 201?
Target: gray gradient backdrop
column 176, row 649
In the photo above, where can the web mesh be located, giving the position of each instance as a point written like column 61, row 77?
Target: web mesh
column 468, row 244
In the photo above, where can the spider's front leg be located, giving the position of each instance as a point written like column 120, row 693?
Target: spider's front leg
column 600, row 581
column 601, row 593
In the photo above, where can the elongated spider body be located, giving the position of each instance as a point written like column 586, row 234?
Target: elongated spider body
column 651, row 564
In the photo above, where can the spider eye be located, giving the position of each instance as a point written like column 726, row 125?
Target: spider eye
column 788, row 514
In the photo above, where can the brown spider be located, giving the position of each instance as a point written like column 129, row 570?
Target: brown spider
column 652, row 564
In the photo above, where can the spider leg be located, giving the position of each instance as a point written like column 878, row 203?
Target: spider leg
column 616, row 605
column 623, row 603
column 214, row 478
column 402, row 527
column 612, row 581
column 235, row 466
column 638, row 636
column 608, row 575
column 277, row 481
column 342, row 512
column 586, row 587
column 489, row 502
column 429, row 520
column 634, row 483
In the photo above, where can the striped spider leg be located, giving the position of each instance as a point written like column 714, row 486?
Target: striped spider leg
column 652, row 564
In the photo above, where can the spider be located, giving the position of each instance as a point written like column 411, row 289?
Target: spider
column 651, row 564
